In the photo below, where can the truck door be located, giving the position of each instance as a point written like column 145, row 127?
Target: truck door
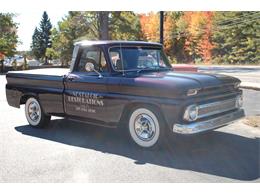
column 85, row 95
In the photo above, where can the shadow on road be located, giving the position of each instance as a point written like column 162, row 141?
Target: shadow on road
column 216, row 153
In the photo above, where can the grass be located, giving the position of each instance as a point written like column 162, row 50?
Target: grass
column 253, row 121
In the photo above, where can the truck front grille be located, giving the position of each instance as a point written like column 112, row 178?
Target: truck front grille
column 216, row 107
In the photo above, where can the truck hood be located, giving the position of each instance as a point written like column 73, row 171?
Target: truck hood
column 179, row 82
column 203, row 79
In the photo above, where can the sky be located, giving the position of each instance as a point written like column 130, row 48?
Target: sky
column 28, row 20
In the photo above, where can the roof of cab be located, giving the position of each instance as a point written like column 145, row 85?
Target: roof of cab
column 109, row 42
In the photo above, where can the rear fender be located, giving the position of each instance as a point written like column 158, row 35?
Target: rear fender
column 13, row 96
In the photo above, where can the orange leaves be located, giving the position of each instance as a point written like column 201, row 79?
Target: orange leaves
column 194, row 29
column 150, row 26
column 2, row 55
column 169, row 25
column 199, row 29
column 205, row 45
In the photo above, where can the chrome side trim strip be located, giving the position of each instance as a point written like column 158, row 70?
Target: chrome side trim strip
column 210, row 124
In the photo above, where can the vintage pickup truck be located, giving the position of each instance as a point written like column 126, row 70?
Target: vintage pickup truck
column 130, row 83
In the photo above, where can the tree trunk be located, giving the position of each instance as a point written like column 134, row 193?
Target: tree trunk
column 103, row 26
column 2, row 66
column 24, row 62
column 46, row 60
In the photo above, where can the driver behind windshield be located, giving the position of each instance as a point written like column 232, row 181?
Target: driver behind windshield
column 137, row 58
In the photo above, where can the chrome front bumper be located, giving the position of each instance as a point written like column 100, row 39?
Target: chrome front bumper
column 201, row 126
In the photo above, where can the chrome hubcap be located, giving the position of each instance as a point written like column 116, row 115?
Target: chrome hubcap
column 34, row 111
column 144, row 127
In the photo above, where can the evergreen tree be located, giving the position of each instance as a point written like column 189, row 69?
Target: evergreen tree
column 236, row 37
column 45, row 30
column 42, row 38
column 36, row 44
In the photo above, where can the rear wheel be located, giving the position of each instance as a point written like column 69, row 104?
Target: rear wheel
column 146, row 127
column 34, row 114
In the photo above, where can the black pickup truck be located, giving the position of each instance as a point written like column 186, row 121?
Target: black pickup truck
column 131, row 83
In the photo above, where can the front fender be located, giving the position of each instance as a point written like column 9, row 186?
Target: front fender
column 170, row 109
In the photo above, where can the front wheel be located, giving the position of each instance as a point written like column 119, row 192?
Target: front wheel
column 34, row 114
column 145, row 127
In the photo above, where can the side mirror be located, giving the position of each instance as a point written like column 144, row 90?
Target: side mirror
column 89, row 67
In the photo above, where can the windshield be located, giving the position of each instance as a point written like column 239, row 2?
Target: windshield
column 138, row 58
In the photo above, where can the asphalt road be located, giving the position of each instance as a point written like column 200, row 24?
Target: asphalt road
column 74, row 152
column 244, row 73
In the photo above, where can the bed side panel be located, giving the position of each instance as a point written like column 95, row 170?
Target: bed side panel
column 49, row 90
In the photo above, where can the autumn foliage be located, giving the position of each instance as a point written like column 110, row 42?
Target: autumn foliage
column 189, row 37
column 199, row 29
column 150, row 26
column 189, row 33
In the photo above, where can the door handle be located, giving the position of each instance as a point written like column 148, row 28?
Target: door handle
column 71, row 78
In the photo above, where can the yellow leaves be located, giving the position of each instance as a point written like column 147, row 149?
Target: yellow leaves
column 169, row 25
column 2, row 56
column 150, row 26
column 8, row 36
column 199, row 28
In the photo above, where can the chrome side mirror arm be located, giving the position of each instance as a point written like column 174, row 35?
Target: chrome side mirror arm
column 90, row 67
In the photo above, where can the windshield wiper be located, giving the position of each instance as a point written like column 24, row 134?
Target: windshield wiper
column 152, row 69
column 140, row 70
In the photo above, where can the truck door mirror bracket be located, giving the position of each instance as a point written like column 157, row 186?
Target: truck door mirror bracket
column 89, row 67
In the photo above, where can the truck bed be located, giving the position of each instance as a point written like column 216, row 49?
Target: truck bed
column 44, row 72
column 37, row 77
column 48, row 83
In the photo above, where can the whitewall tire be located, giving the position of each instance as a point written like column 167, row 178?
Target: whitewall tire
column 34, row 114
column 145, row 127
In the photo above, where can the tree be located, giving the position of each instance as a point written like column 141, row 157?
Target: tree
column 103, row 25
column 150, row 26
column 199, row 31
column 71, row 29
column 236, row 37
column 8, row 36
column 41, row 39
column 124, row 26
column 221, row 37
column 205, row 44
column 173, row 41
column 45, row 31
column 36, row 44
column 109, row 25
column 78, row 26
column 51, row 53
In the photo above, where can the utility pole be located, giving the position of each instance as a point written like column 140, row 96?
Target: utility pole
column 161, row 26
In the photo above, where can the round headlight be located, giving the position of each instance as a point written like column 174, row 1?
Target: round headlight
column 191, row 113
column 239, row 101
